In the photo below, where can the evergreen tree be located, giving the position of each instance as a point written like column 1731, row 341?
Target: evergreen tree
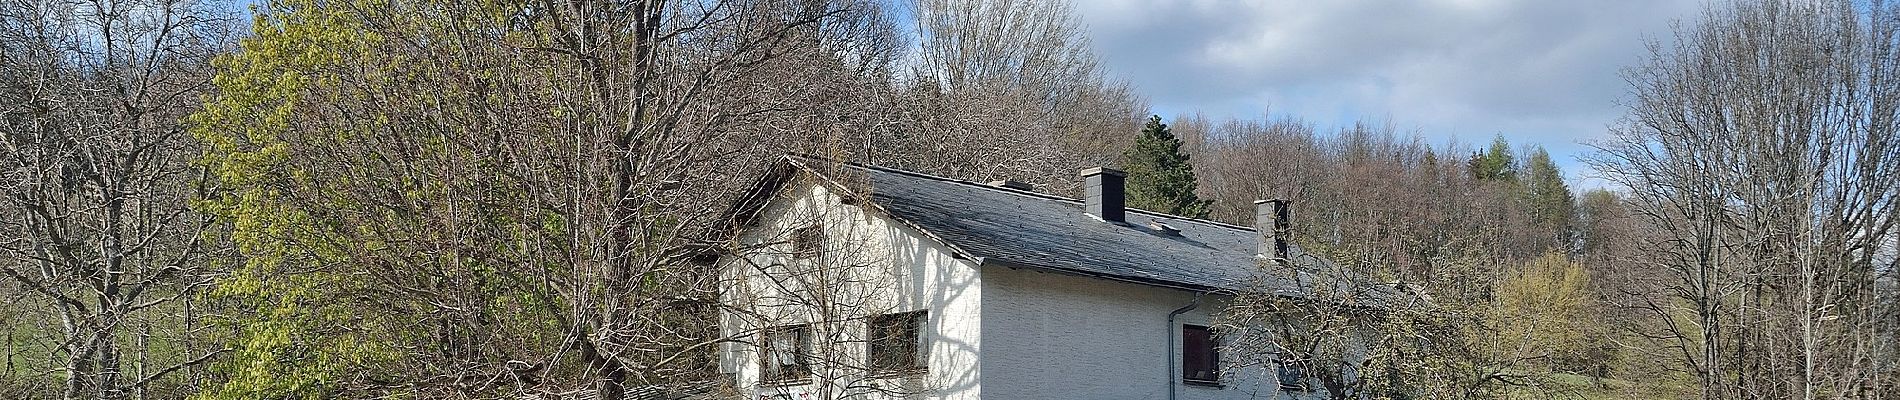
column 1494, row 163
column 1159, row 175
column 1544, row 191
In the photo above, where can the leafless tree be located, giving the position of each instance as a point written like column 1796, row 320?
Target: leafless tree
column 1326, row 329
column 1007, row 89
column 1390, row 208
column 538, row 219
column 96, row 225
column 1759, row 153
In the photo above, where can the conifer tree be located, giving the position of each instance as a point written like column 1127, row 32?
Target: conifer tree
column 1494, row 163
column 1545, row 191
column 1159, row 175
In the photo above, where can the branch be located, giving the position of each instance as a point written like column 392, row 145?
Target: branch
column 168, row 370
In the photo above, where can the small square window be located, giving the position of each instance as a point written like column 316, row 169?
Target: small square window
column 1292, row 378
column 808, row 242
column 1200, row 355
column 783, row 354
column 896, row 343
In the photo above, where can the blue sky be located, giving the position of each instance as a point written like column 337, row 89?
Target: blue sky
column 1536, row 72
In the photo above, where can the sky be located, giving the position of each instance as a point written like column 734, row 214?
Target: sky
column 1536, row 72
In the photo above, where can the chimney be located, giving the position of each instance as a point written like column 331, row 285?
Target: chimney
column 1105, row 198
column 1271, row 218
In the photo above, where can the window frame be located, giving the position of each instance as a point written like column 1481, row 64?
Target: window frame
column 808, row 241
column 801, row 353
column 876, row 332
column 1284, row 370
column 1212, row 354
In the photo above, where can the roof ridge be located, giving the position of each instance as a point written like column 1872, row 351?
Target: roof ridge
column 1019, row 192
column 1197, row 220
column 935, row 177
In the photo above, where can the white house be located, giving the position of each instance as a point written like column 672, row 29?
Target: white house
column 856, row 281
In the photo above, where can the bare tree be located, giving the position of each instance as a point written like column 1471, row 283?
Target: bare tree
column 96, row 224
column 538, row 219
column 1323, row 328
column 1007, row 89
column 1438, row 229
column 1759, row 153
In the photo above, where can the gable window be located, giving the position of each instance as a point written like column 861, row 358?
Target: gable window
column 808, row 242
column 896, row 343
column 783, row 355
column 1200, row 357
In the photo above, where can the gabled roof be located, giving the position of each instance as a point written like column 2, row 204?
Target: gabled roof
column 1024, row 229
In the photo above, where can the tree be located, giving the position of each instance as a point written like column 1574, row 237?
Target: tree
column 1160, row 178
column 1548, row 198
column 95, row 167
column 1390, row 209
column 1759, row 151
column 1330, row 325
column 1544, row 318
column 536, row 221
column 1603, row 221
column 1007, row 89
column 1495, row 163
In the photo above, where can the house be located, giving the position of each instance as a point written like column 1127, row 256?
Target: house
column 854, row 281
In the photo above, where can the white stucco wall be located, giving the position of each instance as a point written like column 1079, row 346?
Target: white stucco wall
column 993, row 332
column 874, row 266
column 1053, row 336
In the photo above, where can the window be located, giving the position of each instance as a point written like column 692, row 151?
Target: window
column 1200, row 357
column 783, row 354
column 808, row 242
column 896, row 343
column 1292, row 377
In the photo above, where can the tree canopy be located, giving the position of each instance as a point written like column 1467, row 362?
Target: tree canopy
column 514, row 199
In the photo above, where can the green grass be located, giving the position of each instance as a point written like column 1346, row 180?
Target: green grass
column 1579, row 387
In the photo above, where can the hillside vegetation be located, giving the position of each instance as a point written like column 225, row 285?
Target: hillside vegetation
column 450, row 199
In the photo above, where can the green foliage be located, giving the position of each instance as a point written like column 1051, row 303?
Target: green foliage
column 1536, row 187
column 1547, row 196
column 1544, row 315
column 392, row 245
column 1536, row 327
column 1160, row 178
column 1494, row 163
column 285, row 332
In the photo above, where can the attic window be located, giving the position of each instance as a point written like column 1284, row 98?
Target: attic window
column 896, row 343
column 1200, row 357
column 808, row 242
column 783, row 355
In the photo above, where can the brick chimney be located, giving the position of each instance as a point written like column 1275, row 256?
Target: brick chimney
column 1271, row 218
column 1105, row 198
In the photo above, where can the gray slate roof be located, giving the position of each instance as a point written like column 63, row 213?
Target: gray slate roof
column 1025, row 229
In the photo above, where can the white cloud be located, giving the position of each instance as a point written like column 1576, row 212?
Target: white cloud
column 1543, row 72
